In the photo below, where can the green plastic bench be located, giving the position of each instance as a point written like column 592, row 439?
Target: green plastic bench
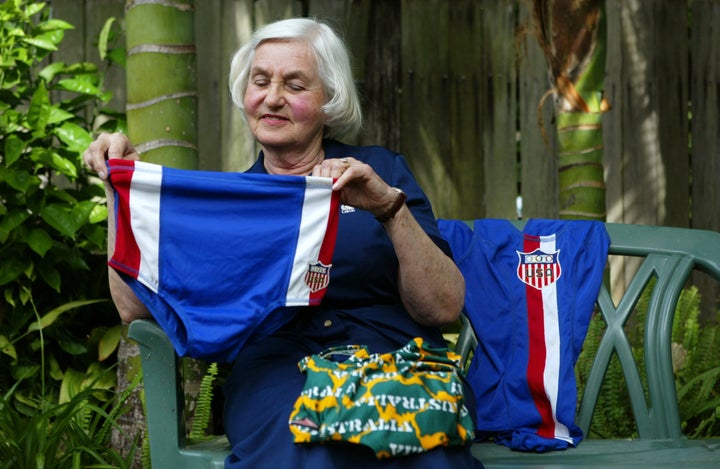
column 164, row 405
column 670, row 255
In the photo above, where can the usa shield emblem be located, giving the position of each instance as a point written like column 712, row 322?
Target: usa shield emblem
column 317, row 276
column 539, row 269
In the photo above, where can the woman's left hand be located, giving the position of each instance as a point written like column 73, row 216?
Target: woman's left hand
column 359, row 185
column 431, row 286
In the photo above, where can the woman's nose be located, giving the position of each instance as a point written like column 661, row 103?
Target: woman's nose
column 274, row 94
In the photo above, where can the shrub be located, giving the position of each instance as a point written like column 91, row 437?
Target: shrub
column 52, row 239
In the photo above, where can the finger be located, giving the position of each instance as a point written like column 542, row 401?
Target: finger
column 108, row 146
column 342, row 179
column 120, row 147
column 347, row 169
column 331, row 168
column 94, row 159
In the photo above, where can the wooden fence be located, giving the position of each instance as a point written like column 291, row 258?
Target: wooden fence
column 455, row 85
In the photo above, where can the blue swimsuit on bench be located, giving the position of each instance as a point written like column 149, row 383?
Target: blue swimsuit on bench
column 529, row 296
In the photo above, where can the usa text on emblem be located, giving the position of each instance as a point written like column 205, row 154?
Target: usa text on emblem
column 539, row 269
column 317, row 276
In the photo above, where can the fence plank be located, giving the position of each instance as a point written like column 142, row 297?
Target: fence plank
column 498, row 110
column 330, row 11
column 211, row 93
column 238, row 145
column 537, row 136
column 670, row 51
column 621, row 268
column 612, row 124
column 267, row 11
column 376, row 48
column 72, row 49
column 705, row 128
column 96, row 12
column 654, row 174
column 463, row 163
column 424, row 106
column 705, row 97
column 639, row 178
column 80, row 43
column 351, row 20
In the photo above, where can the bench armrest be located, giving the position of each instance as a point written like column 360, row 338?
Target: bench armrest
column 164, row 405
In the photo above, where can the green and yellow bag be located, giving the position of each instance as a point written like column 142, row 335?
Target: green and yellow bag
column 398, row 403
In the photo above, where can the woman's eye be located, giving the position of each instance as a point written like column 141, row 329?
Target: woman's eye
column 295, row 86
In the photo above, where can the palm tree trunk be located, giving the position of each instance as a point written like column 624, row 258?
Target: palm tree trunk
column 161, row 81
column 162, row 123
column 573, row 38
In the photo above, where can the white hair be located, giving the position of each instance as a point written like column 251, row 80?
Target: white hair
column 342, row 106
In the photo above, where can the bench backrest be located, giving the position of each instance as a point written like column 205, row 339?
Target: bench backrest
column 669, row 256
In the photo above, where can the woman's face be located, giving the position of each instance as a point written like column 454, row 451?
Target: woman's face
column 284, row 96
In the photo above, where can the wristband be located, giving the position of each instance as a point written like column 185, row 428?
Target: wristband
column 401, row 198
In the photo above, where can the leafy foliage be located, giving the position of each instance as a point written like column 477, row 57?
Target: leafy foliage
column 696, row 356
column 75, row 433
column 203, row 409
column 52, row 241
column 613, row 415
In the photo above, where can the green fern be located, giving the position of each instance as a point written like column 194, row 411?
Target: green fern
column 707, row 351
column 584, row 363
column 203, row 409
column 697, row 355
column 145, row 459
column 700, row 404
column 697, row 373
column 613, row 415
column 686, row 326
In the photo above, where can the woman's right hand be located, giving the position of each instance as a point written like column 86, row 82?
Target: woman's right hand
column 104, row 147
column 108, row 146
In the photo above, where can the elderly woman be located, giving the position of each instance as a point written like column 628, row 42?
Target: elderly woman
column 392, row 277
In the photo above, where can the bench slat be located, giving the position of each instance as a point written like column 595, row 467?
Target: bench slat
column 643, row 453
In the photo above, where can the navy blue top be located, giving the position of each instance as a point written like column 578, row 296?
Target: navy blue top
column 362, row 306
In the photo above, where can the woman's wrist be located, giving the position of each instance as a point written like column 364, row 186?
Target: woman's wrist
column 397, row 204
